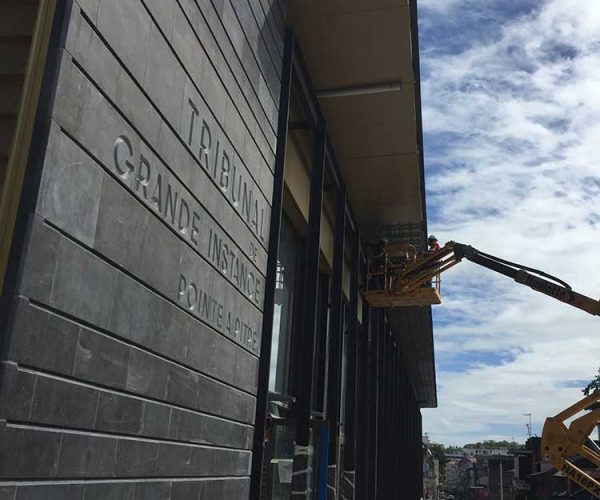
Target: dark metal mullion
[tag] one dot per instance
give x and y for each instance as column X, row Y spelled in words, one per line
column 396, row 417
column 336, row 325
column 271, row 277
column 372, row 425
column 311, row 289
column 385, row 407
column 308, row 91
column 361, row 409
column 351, row 393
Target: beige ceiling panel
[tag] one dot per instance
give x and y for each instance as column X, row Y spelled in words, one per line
column 301, row 8
column 373, row 124
column 384, row 190
column 357, row 48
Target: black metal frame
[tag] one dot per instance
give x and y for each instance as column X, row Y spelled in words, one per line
column 271, row 277
column 383, row 423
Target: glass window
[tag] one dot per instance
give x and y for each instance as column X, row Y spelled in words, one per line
column 287, row 265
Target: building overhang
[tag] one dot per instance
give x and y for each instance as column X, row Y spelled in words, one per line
column 363, row 61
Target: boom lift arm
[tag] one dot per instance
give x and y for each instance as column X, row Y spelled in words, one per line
column 560, row 444
column 405, row 282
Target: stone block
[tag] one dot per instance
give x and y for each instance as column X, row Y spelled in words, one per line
column 110, row 491
column 70, row 189
column 119, row 413
column 8, row 492
column 146, row 374
column 136, row 458
column 204, row 429
column 126, row 26
column 231, row 462
column 230, row 488
column 227, row 402
column 50, row 492
column 101, row 359
column 132, row 102
column 90, row 7
column 186, row 490
column 83, row 285
column 83, row 43
column 129, row 317
column 155, row 420
column 154, row 490
column 173, row 460
column 171, row 332
column 84, row 455
column 41, row 339
column 16, row 392
column 62, row 403
column 182, row 387
column 121, row 227
column 28, row 453
column 164, row 79
column 162, row 11
column 245, row 373
column 36, row 276
column 72, row 91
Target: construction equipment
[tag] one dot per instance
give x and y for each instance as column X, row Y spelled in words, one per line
column 561, row 444
column 400, row 277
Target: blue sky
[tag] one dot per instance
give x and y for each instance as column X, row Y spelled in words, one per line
column 511, row 116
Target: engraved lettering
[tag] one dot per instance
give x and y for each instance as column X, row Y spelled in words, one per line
column 216, row 161
column 254, row 219
column 262, row 227
column 182, row 285
column 236, row 198
column 225, row 167
column 157, row 194
column 123, row 165
column 194, row 114
column 184, row 215
column 171, row 203
column 205, row 143
column 246, row 202
column 195, row 228
column 192, row 296
column 143, row 176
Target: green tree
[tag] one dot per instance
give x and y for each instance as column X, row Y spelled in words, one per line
column 593, row 385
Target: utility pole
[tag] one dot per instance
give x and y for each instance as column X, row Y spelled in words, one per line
column 501, row 481
column 528, row 425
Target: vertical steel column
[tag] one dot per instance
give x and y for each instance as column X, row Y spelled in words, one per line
column 271, row 277
column 381, row 413
column 397, row 422
column 336, row 325
column 372, row 404
column 362, row 406
column 351, row 379
column 303, row 452
column 311, row 288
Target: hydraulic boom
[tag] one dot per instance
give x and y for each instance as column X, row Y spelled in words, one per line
column 414, row 278
column 561, row 444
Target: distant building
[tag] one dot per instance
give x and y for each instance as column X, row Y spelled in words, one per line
column 431, row 472
column 452, row 476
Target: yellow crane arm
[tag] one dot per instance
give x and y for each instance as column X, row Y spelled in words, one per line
column 424, row 270
column 561, row 443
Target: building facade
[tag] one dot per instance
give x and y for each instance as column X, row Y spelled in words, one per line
column 187, row 189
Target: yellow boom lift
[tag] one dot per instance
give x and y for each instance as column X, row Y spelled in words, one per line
column 560, row 443
column 400, row 277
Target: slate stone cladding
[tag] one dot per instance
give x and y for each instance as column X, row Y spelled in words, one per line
column 131, row 357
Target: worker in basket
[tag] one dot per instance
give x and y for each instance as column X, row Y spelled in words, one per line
column 433, row 245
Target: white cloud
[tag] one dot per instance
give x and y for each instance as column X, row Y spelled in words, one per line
column 514, row 169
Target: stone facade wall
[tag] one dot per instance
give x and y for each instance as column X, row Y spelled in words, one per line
column 131, row 357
